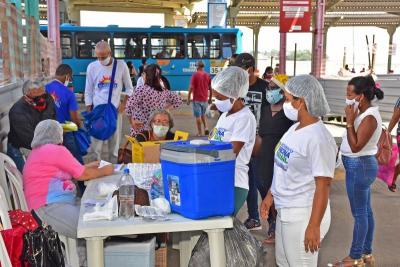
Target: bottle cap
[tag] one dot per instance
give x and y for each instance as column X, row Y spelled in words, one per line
column 126, row 171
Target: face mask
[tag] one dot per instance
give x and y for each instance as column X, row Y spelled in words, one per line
column 160, row 130
column 290, row 112
column 66, row 83
column 269, row 76
column 106, row 61
column 352, row 102
column 39, row 103
column 223, row 105
column 274, row 96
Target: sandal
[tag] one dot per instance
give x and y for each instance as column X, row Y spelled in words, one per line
column 349, row 262
column 393, row 187
column 270, row 239
column 369, row 260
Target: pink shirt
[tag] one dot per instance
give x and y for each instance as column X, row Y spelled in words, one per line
column 47, row 176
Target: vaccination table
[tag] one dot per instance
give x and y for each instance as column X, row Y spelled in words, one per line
column 95, row 232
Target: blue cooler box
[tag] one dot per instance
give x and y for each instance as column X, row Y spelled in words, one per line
column 199, row 179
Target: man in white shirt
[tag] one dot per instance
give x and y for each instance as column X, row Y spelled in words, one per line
column 98, row 78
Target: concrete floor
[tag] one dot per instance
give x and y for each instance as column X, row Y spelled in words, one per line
column 386, row 206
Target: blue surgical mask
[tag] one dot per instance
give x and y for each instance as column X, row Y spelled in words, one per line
column 274, row 96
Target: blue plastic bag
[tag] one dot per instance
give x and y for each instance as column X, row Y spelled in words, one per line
column 101, row 122
column 82, row 138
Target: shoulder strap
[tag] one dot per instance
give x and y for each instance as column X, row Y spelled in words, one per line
column 112, row 79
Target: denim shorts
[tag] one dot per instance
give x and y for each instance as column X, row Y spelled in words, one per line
column 199, row 108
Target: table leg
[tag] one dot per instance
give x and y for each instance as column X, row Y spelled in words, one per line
column 95, row 251
column 217, row 247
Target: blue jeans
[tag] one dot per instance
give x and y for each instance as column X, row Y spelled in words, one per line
column 360, row 174
column 254, row 186
column 16, row 155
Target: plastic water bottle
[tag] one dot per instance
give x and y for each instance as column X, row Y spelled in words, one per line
column 126, row 195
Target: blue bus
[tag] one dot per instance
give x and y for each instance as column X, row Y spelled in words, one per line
column 175, row 49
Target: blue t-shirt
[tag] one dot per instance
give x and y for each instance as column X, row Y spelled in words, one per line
column 64, row 100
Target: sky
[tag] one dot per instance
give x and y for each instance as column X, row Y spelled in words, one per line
column 351, row 39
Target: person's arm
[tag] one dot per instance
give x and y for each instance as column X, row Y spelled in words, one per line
column 24, row 128
column 357, row 140
column 92, row 172
column 89, row 90
column 266, row 205
column 395, row 119
column 237, row 146
column 189, row 95
column 209, row 93
column 127, row 81
column 312, row 238
column 174, row 100
column 73, row 110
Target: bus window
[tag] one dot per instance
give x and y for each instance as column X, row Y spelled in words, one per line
column 228, row 45
column 197, row 46
column 167, row 46
column 215, row 46
column 66, row 45
column 130, row 45
column 86, row 42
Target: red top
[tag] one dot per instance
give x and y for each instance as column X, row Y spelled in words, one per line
column 200, row 84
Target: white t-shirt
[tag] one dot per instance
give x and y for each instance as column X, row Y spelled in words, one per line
column 300, row 156
column 98, row 78
column 240, row 127
column 371, row 147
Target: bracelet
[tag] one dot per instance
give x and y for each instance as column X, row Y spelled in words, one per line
column 349, row 126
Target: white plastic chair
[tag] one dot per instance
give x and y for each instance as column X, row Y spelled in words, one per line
column 11, row 182
column 6, row 224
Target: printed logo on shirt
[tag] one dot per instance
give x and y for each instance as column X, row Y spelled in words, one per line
column 105, row 83
column 282, row 155
column 56, row 99
column 217, row 134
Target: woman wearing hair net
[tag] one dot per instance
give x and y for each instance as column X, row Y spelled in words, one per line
column 47, row 177
column 236, row 125
column 305, row 160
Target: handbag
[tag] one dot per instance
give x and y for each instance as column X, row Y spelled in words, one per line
column 124, row 154
column 42, row 247
column 22, row 222
column 386, row 172
column 384, row 153
column 82, row 138
column 101, row 122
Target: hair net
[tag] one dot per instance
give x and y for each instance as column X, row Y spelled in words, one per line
column 47, row 132
column 232, row 82
column 311, row 90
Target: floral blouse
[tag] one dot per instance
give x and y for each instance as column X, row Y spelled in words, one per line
column 144, row 100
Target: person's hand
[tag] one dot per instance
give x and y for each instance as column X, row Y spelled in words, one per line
column 108, row 169
column 266, row 205
column 210, row 101
column 136, row 124
column 213, row 107
column 351, row 114
column 89, row 108
column 312, row 239
column 94, row 164
column 188, row 102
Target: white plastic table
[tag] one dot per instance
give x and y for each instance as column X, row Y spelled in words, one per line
column 96, row 232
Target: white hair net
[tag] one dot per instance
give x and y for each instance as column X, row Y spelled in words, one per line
column 311, row 90
column 232, row 82
column 47, row 132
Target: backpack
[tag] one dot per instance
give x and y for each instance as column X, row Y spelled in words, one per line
column 101, row 122
column 384, row 153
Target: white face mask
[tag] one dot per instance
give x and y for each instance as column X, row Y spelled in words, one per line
column 224, row 105
column 106, row 61
column 66, row 83
column 160, row 130
column 290, row 112
column 352, row 102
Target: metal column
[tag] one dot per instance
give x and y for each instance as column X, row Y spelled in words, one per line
column 256, row 32
column 282, row 53
column 53, row 18
column 391, row 32
column 319, row 38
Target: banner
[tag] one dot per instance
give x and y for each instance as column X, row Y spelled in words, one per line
column 295, row 16
column 217, row 14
